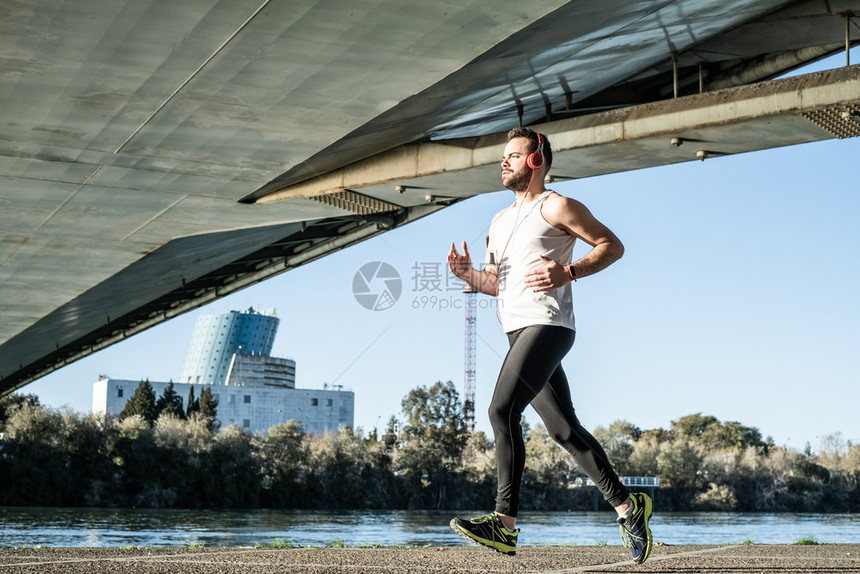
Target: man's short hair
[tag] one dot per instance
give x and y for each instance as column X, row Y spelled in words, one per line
column 532, row 136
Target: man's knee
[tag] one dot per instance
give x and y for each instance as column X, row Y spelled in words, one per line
column 560, row 436
column 502, row 414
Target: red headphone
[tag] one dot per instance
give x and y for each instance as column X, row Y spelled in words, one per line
column 536, row 160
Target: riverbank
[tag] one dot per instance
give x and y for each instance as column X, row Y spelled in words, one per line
column 817, row 559
column 171, row 528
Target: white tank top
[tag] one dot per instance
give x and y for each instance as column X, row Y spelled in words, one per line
column 517, row 245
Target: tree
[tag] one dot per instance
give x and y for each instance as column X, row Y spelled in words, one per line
column 193, row 404
column 142, row 403
column 679, row 463
column 209, row 408
column 658, row 434
column 710, row 434
column 183, row 457
column 543, row 455
column 732, row 434
column 433, row 439
column 36, row 450
column 234, row 469
column 90, row 441
column 548, row 465
column 11, row 403
column 479, row 456
column 618, row 441
column 391, row 439
column 282, row 453
column 643, row 459
column 136, row 457
column 339, row 473
column 170, row 402
column 435, row 428
column 691, row 427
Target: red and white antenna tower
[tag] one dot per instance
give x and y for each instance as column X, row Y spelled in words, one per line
column 469, row 380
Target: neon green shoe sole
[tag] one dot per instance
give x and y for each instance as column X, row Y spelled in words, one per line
column 487, row 531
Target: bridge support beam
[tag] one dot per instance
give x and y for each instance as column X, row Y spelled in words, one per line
column 712, row 124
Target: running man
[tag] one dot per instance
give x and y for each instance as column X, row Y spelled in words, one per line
column 531, row 243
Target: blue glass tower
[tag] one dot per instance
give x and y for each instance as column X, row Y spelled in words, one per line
column 217, row 338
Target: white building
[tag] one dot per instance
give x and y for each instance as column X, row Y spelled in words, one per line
column 229, row 353
column 254, row 408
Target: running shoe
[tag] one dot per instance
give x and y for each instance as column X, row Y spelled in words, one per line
column 635, row 533
column 487, row 531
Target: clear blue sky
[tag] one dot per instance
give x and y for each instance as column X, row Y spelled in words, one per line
column 738, row 296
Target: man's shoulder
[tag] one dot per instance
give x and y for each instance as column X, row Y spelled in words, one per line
column 563, row 212
column 556, row 201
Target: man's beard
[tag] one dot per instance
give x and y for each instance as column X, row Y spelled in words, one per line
column 518, row 181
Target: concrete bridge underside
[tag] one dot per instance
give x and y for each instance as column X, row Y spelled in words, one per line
column 155, row 156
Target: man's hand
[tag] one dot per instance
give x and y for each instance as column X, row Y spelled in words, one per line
column 553, row 276
column 460, row 265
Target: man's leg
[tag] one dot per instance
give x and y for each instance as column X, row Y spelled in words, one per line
column 534, row 354
column 555, row 407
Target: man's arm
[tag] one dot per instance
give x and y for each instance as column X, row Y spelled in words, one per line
column 575, row 219
column 485, row 281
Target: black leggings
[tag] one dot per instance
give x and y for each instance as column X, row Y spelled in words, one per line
column 531, row 373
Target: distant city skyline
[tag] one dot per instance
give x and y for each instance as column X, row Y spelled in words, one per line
column 230, row 354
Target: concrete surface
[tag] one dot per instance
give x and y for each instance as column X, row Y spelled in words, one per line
column 825, row 558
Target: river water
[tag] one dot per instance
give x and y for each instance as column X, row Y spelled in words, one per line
column 101, row 527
